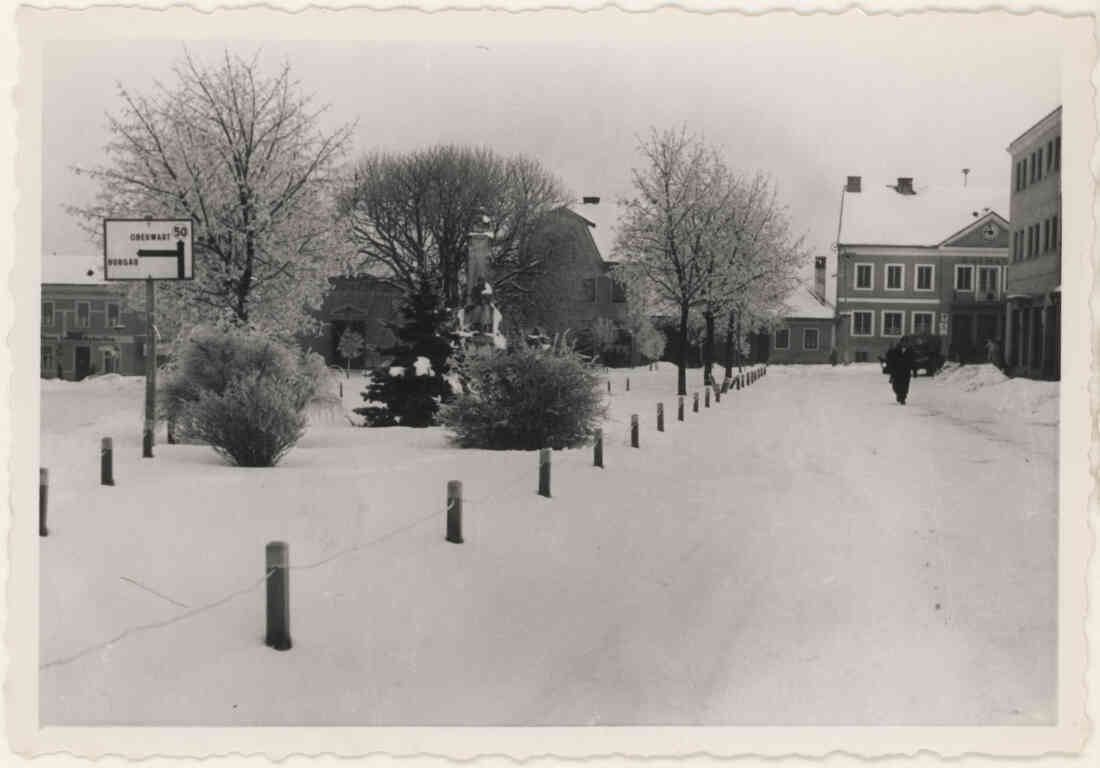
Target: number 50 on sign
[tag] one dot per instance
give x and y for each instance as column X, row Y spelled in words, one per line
column 139, row 249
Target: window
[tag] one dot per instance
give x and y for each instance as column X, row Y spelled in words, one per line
column 1046, row 235
column 987, row 281
column 865, row 275
column 1057, row 152
column 895, row 277
column 47, row 314
column 925, row 276
column 1019, row 175
column 1033, row 168
column 618, row 292
column 589, row 289
column 893, row 323
column 83, row 314
column 964, row 278
column 1054, row 233
column 922, row 322
column 110, row 361
column 1015, row 245
column 809, row 338
column 112, row 315
column 783, row 339
column 47, row 360
column 1039, row 164
column 1050, row 155
column 863, row 323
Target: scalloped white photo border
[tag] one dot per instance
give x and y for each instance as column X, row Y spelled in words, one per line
column 20, row 239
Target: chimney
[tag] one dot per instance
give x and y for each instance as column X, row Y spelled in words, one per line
column 819, row 277
column 905, row 185
column 854, row 184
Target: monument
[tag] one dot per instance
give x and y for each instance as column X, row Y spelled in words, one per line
column 479, row 321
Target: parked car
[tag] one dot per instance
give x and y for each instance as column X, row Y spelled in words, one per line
column 925, row 354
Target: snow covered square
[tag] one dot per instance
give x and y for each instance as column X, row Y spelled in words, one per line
column 805, row 552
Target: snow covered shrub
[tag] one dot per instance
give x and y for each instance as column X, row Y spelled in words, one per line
column 409, row 388
column 253, row 422
column 526, row 398
column 234, row 388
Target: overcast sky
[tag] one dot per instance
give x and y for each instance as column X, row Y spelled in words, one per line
column 881, row 97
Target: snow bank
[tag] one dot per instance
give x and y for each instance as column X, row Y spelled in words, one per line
column 1026, row 399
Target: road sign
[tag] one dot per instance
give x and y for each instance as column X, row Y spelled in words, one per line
column 138, row 249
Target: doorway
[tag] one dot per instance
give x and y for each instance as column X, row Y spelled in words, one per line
column 83, row 362
column 961, row 342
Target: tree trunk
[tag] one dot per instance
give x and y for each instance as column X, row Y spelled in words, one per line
column 738, row 343
column 708, row 349
column 729, row 346
column 681, row 353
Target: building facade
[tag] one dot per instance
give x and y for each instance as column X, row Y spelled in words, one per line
column 363, row 304
column 806, row 331
column 913, row 260
column 1034, row 281
column 86, row 327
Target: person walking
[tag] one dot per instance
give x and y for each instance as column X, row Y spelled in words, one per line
column 899, row 364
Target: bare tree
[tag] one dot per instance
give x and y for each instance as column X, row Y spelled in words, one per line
column 409, row 216
column 242, row 155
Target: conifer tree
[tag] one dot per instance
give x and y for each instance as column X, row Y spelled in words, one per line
column 410, row 388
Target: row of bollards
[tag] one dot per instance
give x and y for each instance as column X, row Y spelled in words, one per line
column 276, row 553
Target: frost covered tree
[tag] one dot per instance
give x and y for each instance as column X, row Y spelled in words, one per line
column 409, row 216
column 242, row 154
column 659, row 228
column 350, row 345
column 752, row 263
column 603, row 332
column 702, row 239
column 409, row 389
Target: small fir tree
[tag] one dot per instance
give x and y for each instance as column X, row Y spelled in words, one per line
column 409, row 390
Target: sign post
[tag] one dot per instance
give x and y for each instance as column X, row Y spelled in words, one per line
column 148, row 249
column 148, row 428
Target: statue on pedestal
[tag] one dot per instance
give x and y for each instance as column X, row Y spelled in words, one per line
column 479, row 321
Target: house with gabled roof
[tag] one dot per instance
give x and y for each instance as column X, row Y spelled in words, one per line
column 914, row 260
column 805, row 331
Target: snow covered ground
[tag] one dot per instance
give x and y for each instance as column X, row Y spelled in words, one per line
column 805, row 552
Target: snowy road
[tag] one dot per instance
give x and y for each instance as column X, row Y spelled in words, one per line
column 806, row 552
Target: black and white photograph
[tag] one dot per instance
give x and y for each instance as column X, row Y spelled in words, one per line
column 602, row 373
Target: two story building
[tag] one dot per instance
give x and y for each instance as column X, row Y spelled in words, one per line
column 919, row 260
column 1034, row 279
column 86, row 325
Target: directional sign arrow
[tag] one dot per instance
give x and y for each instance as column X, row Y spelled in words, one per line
column 176, row 253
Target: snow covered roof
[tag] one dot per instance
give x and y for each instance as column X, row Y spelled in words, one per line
column 602, row 218
column 72, row 269
column 803, row 304
column 879, row 215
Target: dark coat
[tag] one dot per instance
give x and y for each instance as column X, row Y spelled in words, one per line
column 899, row 364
